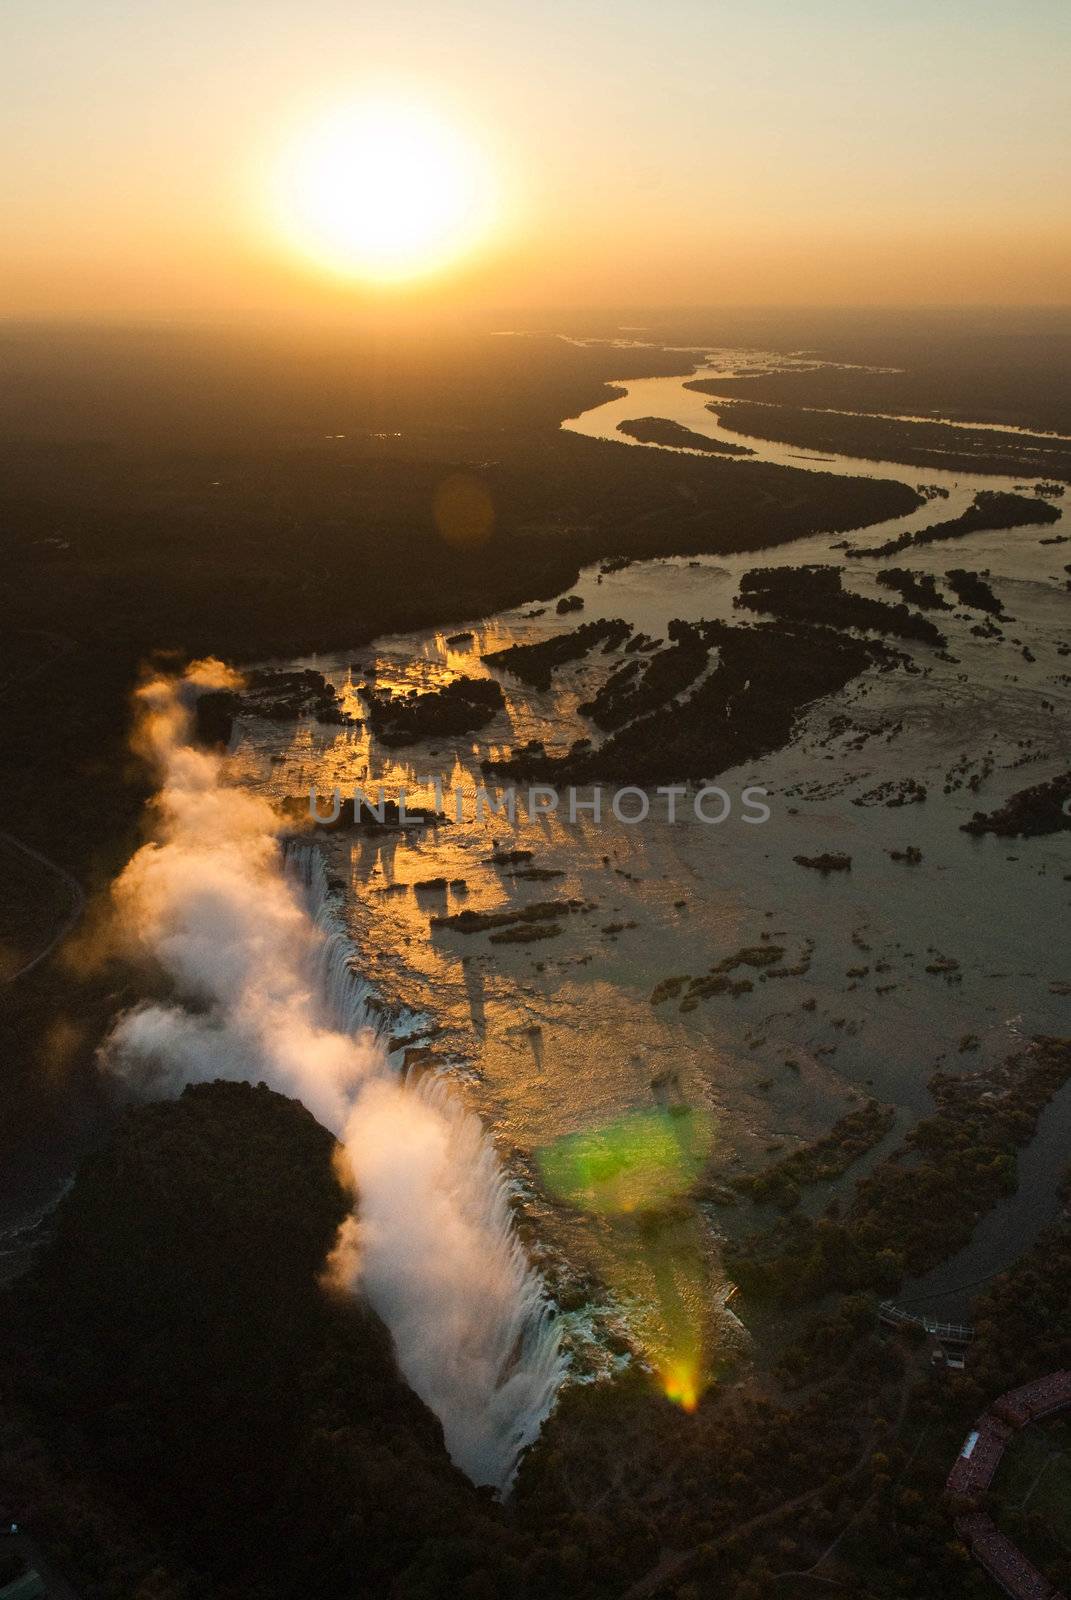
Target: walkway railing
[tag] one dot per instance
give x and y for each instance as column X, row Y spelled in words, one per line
column 949, row 1332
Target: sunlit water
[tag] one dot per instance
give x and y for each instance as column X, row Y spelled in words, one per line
column 560, row 1036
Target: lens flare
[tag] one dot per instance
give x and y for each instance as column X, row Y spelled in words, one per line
column 636, row 1173
column 636, row 1164
column 464, row 511
column 682, row 1383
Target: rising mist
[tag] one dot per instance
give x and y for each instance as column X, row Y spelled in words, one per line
column 266, row 991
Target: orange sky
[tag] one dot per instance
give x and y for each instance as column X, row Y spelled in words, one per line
column 687, row 153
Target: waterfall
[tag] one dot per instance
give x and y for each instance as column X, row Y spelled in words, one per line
column 518, row 1351
column 335, row 973
column 252, row 938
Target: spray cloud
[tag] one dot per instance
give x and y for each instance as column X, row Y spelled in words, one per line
column 266, row 991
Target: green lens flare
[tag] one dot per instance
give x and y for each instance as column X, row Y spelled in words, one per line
column 634, row 1172
column 633, row 1165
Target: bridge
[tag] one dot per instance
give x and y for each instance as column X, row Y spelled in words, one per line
column 947, row 1332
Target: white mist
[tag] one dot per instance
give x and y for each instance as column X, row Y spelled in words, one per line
column 267, row 991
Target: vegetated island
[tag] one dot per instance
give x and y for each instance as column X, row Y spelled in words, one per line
column 829, row 861
column 829, row 1157
column 744, row 708
column 1045, row 808
column 817, row 594
column 535, row 663
column 278, row 696
column 765, row 960
column 538, row 914
column 639, row 686
column 967, row 374
column 991, row 510
column 660, row 430
column 920, row 444
column 971, row 590
column 918, row 587
column 462, row 706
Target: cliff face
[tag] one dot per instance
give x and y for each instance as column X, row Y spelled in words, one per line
column 179, row 1368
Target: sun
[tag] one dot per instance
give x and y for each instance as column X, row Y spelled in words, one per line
column 384, row 190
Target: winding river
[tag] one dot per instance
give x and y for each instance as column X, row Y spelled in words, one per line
column 554, row 1039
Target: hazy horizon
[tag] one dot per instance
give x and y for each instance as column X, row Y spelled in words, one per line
column 598, row 321
column 843, row 156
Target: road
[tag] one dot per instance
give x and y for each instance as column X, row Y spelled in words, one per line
column 78, row 903
column 55, row 1583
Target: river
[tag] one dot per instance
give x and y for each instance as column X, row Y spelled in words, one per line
column 556, row 1039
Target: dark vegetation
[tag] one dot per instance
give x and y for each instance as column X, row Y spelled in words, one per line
column 971, row 589
column 278, row 696
column 160, row 387
column 458, row 707
column 765, row 960
column 817, row 594
column 186, row 1412
column 630, row 692
column 821, row 1161
column 746, row 707
column 640, row 642
column 537, row 911
column 991, row 509
column 1029, row 813
column 525, row 933
column 535, row 663
column 195, row 1414
column 827, row 1479
column 829, row 861
column 286, row 696
column 894, row 793
column 917, row 444
column 918, row 587
column 919, row 1205
column 898, row 1540
column 660, row 430
column 1002, row 366
column 713, row 983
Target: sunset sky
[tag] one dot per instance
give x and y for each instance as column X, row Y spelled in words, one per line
column 625, row 152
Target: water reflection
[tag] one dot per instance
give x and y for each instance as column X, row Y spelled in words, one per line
column 559, row 1042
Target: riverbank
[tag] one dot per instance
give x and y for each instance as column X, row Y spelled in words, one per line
column 944, row 446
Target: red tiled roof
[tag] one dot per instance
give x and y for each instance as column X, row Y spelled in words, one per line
column 1042, row 1397
column 1003, row 1560
column 972, row 1473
